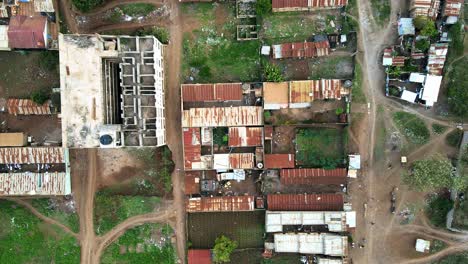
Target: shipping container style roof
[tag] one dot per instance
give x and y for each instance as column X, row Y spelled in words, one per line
column 313, row 176
column 32, row 155
column 28, row 183
column 212, row 92
column 220, row 204
column 305, row 202
column 311, row 243
column 223, row 116
column 279, row 161
column 245, row 136
column 335, row 221
column 301, row 50
column 27, row 107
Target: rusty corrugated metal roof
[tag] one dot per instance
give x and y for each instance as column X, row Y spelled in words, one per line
column 199, row 256
column 221, row 204
column 453, row 7
column 31, row 155
column 306, row 4
column 308, row 91
column 192, row 182
column 27, row 107
column 223, row 116
column 305, row 202
column 437, row 57
column 245, row 136
column 313, row 176
column 301, row 50
column 212, row 92
column 27, row 183
column 279, row 161
column 26, row 32
column 268, row 132
column 429, row 8
column 192, row 146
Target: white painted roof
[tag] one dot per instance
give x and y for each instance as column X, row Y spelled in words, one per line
column 311, row 243
column 336, row 221
column 422, row 245
column 417, row 77
column 431, row 89
column 3, row 37
column 355, row 162
column 329, row 261
column 409, row 96
column 266, row 50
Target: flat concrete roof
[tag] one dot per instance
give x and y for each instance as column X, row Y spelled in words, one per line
column 82, row 94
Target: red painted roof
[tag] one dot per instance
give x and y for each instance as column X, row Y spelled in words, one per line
column 268, row 132
column 289, row 3
column 313, row 176
column 279, row 161
column 192, row 146
column 27, row 32
column 212, row 92
column 192, row 182
column 199, row 256
column 245, row 136
column 305, row 202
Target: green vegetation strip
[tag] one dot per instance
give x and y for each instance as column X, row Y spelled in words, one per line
column 357, row 91
column 414, row 128
column 458, row 88
column 148, row 243
column 26, row 239
column 438, row 129
column 137, row 9
column 437, row 210
column 319, row 147
column 110, row 210
column 87, row 5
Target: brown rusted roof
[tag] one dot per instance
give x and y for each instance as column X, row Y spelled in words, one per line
column 305, row 202
column 223, row 116
column 268, row 132
column 313, row 176
column 27, row 107
column 212, row 92
column 284, row 4
column 27, row 183
column 221, row 204
column 245, row 136
column 301, row 50
column 308, row 91
column 199, row 256
column 453, row 7
column 279, row 161
column 31, row 155
column 27, row 32
column 289, row 3
column 192, row 182
column 429, row 8
column 192, row 146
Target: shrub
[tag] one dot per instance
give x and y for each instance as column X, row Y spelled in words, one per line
column 438, row 129
column 40, row 96
column 429, row 30
column 412, row 127
column 453, row 138
column 263, row 7
column 49, row 60
column 437, row 210
column 87, row 5
column 423, row 45
column 420, row 22
column 339, row 111
column 162, row 34
column 272, row 73
column 223, row 249
column 137, row 9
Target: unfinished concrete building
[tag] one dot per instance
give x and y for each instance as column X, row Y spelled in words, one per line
column 112, row 90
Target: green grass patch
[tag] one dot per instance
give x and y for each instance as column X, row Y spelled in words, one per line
column 437, row 209
column 414, row 128
column 290, row 27
column 137, row 9
column 319, row 147
column 454, row 259
column 211, row 53
column 458, row 88
column 162, row 34
column 87, row 5
column 454, row 138
column 110, row 210
column 331, row 68
column 381, row 10
column 381, row 137
column 358, row 95
column 438, row 129
column 148, row 243
column 437, row 245
column 57, row 209
column 26, row 239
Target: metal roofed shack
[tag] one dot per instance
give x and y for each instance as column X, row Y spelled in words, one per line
column 245, row 136
column 275, row 95
column 390, row 59
column 26, row 32
column 406, row 26
column 199, row 256
column 428, row 8
column 313, row 243
column 303, row 93
column 27, row 107
column 212, row 92
column 306, row 5
column 321, row 260
column 300, row 50
column 220, row 204
column 112, row 91
column 437, row 57
column 313, row 176
column 279, row 161
column 223, row 116
column 13, row 139
column 32, row 155
column 335, row 221
column 451, row 10
column 430, row 92
column 305, row 202
column 29, row 183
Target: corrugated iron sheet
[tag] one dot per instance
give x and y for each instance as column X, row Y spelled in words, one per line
column 429, row 8
column 301, row 50
column 313, row 176
column 192, row 182
column 212, row 92
column 31, row 155
column 192, row 146
column 268, row 132
column 437, row 57
column 223, row 116
column 27, row 107
column 289, row 3
column 27, row 183
column 307, row 4
column 398, row 61
column 453, row 7
column 305, row 202
column 279, row 161
column 241, row 161
column 221, row 204
column 308, row 91
column 245, row 136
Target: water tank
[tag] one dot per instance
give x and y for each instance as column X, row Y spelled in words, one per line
column 260, row 165
column 105, row 140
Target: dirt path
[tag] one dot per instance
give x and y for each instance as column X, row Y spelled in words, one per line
column 39, row 215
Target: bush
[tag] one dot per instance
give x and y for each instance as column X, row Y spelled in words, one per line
column 137, row 9
column 437, row 210
column 49, row 60
column 458, row 88
column 263, row 7
column 40, row 96
column 456, row 35
column 420, row 22
column 339, row 111
column 438, row 129
column 429, row 30
column 223, row 249
column 423, row 45
column 272, row 73
column 453, row 138
column 162, row 34
column 87, row 5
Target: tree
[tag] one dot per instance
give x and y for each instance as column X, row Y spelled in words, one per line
column 263, row 7
column 223, row 249
column 272, row 73
column 423, row 45
column 429, row 30
column 40, row 96
column 420, row 22
column 430, row 174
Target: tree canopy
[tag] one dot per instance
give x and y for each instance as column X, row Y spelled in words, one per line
column 223, row 249
column 430, row 174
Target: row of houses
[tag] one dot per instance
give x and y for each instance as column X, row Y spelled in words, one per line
column 28, row 24
column 449, row 11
